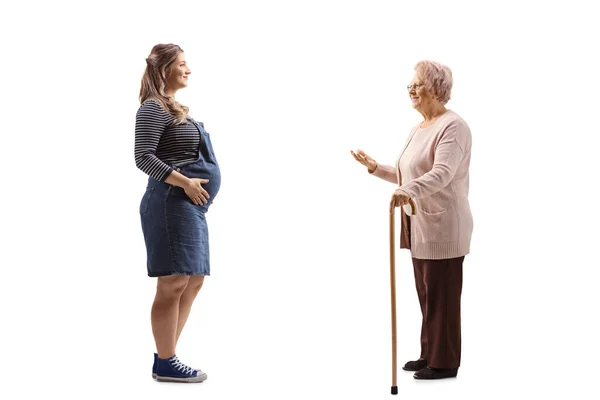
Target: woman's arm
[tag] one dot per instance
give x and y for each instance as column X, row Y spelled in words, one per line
column 150, row 122
column 177, row 179
column 385, row 172
column 449, row 153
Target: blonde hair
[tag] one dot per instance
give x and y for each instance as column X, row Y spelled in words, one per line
column 155, row 77
column 437, row 79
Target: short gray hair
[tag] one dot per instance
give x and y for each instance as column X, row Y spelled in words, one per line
column 437, row 79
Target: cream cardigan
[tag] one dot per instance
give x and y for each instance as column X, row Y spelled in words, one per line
column 438, row 165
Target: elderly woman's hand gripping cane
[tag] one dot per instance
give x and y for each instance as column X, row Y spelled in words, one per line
column 399, row 199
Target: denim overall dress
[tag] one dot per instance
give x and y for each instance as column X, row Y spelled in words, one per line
column 175, row 229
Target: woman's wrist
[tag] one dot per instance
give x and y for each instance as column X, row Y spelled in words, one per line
column 176, row 178
column 372, row 170
column 185, row 182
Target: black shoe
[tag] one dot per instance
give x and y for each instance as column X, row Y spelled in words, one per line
column 436, row 373
column 415, row 365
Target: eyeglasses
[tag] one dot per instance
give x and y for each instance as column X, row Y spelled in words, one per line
column 415, row 86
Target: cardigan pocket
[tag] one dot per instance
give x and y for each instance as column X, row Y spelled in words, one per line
column 433, row 227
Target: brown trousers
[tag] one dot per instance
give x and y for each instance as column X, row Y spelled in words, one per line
column 439, row 286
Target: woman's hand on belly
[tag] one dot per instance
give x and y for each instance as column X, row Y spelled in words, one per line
column 196, row 192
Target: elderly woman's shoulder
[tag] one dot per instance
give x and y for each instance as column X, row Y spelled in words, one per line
column 454, row 120
column 458, row 130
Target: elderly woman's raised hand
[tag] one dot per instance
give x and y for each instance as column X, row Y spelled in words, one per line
column 364, row 159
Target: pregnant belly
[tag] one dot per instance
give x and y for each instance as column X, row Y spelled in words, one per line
column 214, row 182
column 205, row 171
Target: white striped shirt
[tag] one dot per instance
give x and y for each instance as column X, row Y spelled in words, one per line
column 160, row 145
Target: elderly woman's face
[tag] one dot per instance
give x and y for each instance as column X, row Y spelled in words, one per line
column 418, row 95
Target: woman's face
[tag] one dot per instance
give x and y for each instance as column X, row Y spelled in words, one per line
column 419, row 96
column 178, row 73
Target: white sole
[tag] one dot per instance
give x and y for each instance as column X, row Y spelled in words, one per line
column 197, row 379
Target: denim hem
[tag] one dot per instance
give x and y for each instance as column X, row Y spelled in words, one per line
column 156, row 275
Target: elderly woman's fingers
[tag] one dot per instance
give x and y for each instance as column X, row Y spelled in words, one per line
column 359, row 158
column 399, row 199
column 394, row 203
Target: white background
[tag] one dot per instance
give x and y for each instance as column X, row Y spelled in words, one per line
column 297, row 306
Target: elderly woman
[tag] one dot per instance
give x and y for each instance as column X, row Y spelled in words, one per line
column 433, row 171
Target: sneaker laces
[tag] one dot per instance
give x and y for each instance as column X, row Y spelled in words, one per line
column 181, row 367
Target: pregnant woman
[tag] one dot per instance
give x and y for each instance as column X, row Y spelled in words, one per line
column 184, row 178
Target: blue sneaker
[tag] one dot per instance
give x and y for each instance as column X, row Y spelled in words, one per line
column 173, row 370
column 155, row 367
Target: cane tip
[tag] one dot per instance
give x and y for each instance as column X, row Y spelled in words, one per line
column 394, row 389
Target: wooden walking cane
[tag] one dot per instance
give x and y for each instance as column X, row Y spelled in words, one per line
column 393, row 290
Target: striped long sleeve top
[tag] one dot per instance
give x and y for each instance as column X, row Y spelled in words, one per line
column 160, row 145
